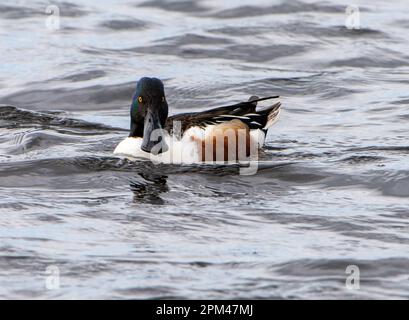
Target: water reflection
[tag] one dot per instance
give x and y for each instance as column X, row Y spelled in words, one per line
column 149, row 190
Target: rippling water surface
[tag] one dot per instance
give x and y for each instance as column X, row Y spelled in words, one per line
column 332, row 188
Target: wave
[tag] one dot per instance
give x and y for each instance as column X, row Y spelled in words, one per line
column 13, row 117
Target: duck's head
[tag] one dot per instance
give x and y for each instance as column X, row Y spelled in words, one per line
column 149, row 111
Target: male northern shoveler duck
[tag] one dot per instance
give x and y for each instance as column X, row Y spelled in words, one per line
column 233, row 132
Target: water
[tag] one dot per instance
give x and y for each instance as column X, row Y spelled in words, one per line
column 332, row 189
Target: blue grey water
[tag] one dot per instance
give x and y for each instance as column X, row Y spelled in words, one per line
column 332, row 189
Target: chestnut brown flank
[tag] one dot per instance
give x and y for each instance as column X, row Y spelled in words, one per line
column 222, row 133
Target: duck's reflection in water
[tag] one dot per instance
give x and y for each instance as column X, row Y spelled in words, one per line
column 150, row 188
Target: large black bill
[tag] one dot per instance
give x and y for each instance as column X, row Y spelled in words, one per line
column 153, row 138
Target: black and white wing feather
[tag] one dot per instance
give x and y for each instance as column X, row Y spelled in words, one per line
column 243, row 111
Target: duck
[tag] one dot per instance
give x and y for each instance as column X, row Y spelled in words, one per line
column 230, row 133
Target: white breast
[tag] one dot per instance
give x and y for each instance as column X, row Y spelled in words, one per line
column 180, row 151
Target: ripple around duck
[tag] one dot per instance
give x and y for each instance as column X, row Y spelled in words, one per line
column 246, row 53
column 37, row 140
column 67, row 9
column 98, row 97
column 318, row 84
column 178, row 6
column 381, row 268
column 82, row 76
column 362, row 159
column 89, row 164
column 402, row 149
column 370, row 62
column 282, row 8
column 330, row 31
column 125, row 24
column 16, row 12
column 13, row 117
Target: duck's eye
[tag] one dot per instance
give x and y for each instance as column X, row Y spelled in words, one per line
column 140, row 100
column 163, row 99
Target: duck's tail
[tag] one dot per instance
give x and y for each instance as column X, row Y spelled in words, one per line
column 272, row 115
column 264, row 118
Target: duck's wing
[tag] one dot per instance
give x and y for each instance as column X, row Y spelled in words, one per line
column 243, row 111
